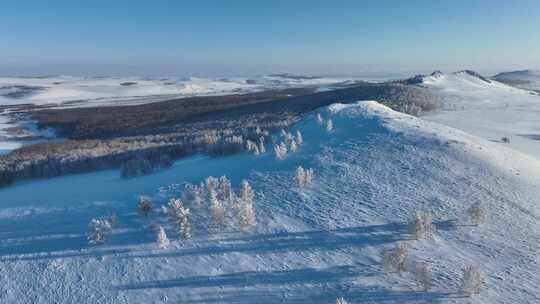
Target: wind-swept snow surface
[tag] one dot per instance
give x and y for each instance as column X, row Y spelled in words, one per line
column 488, row 109
column 311, row 244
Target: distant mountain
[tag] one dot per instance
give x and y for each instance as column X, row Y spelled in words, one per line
column 526, row 79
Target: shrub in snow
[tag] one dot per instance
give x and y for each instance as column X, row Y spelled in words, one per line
column 471, row 281
column 341, row 300
column 421, row 225
column 162, row 240
column 246, row 214
column 394, row 260
column 422, row 275
column 97, row 230
column 477, row 214
column 144, row 206
column 329, row 125
column 505, row 140
column 319, row 118
column 299, row 138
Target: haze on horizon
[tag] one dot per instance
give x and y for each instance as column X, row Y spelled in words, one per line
column 251, row 37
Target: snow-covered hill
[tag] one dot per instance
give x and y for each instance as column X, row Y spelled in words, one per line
column 487, row 108
column 527, row 79
column 311, row 244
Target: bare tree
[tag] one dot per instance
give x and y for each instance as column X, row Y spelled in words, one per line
column 162, row 240
column 477, row 214
column 422, row 275
column 145, row 206
column 471, row 281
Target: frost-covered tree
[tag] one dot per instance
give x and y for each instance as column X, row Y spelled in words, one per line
column 300, row 176
column 471, row 281
column 299, row 138
column 246, row 214
column 421, row 225
column 309, row 176
column 288, row 138
column 173, row 208
column 225, row 192
column 341, row 300
column 477, row 214
column 216, row 209
column 319, row 118
column 182, row 222
column 144, row 206
column 97, row 230
column 422, row 275
column 329, row 125
column 162, row 240
column 293, row 146
column 280, row 150
column 262, row 148
column 394, row 260
column 211, row 183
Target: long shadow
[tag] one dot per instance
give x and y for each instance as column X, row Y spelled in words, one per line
column 252, row 278
column 297, row 241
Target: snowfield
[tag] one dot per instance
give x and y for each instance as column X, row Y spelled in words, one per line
column 488, row 109
column 311, row 244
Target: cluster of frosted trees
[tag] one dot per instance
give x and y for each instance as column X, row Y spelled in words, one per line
column 289, row 143
column 421, row 227
column 328, row 123
column 303, row 177
column 211, row 206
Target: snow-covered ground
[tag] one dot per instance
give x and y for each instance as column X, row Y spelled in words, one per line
column 488, row 109
column 310, row 244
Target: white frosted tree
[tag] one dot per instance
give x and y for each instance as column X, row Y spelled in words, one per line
column 183, row 224
column 293, row 146
column 162, row 240
column 329, row 125
column 477, row 214
column 422, row 275
column 216, row 209
column 225, row 190
column 471, row 281
column 421, row 225
column 309, row 176
column 299, row 138
column 394, row 260
column 173, row 208
column 280, row 150
column 246, row 214
column 300, row 176
column 262, row 148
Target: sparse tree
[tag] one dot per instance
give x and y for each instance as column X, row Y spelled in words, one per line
column 162, row 240
column 422, row 275
column 471, row 281
column 145, row 206
column 477, row 214
column 394, row 260
column 329, row 125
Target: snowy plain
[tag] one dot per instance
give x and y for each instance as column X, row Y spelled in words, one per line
column 311, row 244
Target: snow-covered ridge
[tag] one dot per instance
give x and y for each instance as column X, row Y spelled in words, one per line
column 312, row 244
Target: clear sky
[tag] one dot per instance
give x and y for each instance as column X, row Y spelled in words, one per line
column 256, row 36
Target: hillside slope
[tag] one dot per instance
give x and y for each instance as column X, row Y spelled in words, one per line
column 310, row 244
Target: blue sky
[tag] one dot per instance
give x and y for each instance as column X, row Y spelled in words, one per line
column 246, row 37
